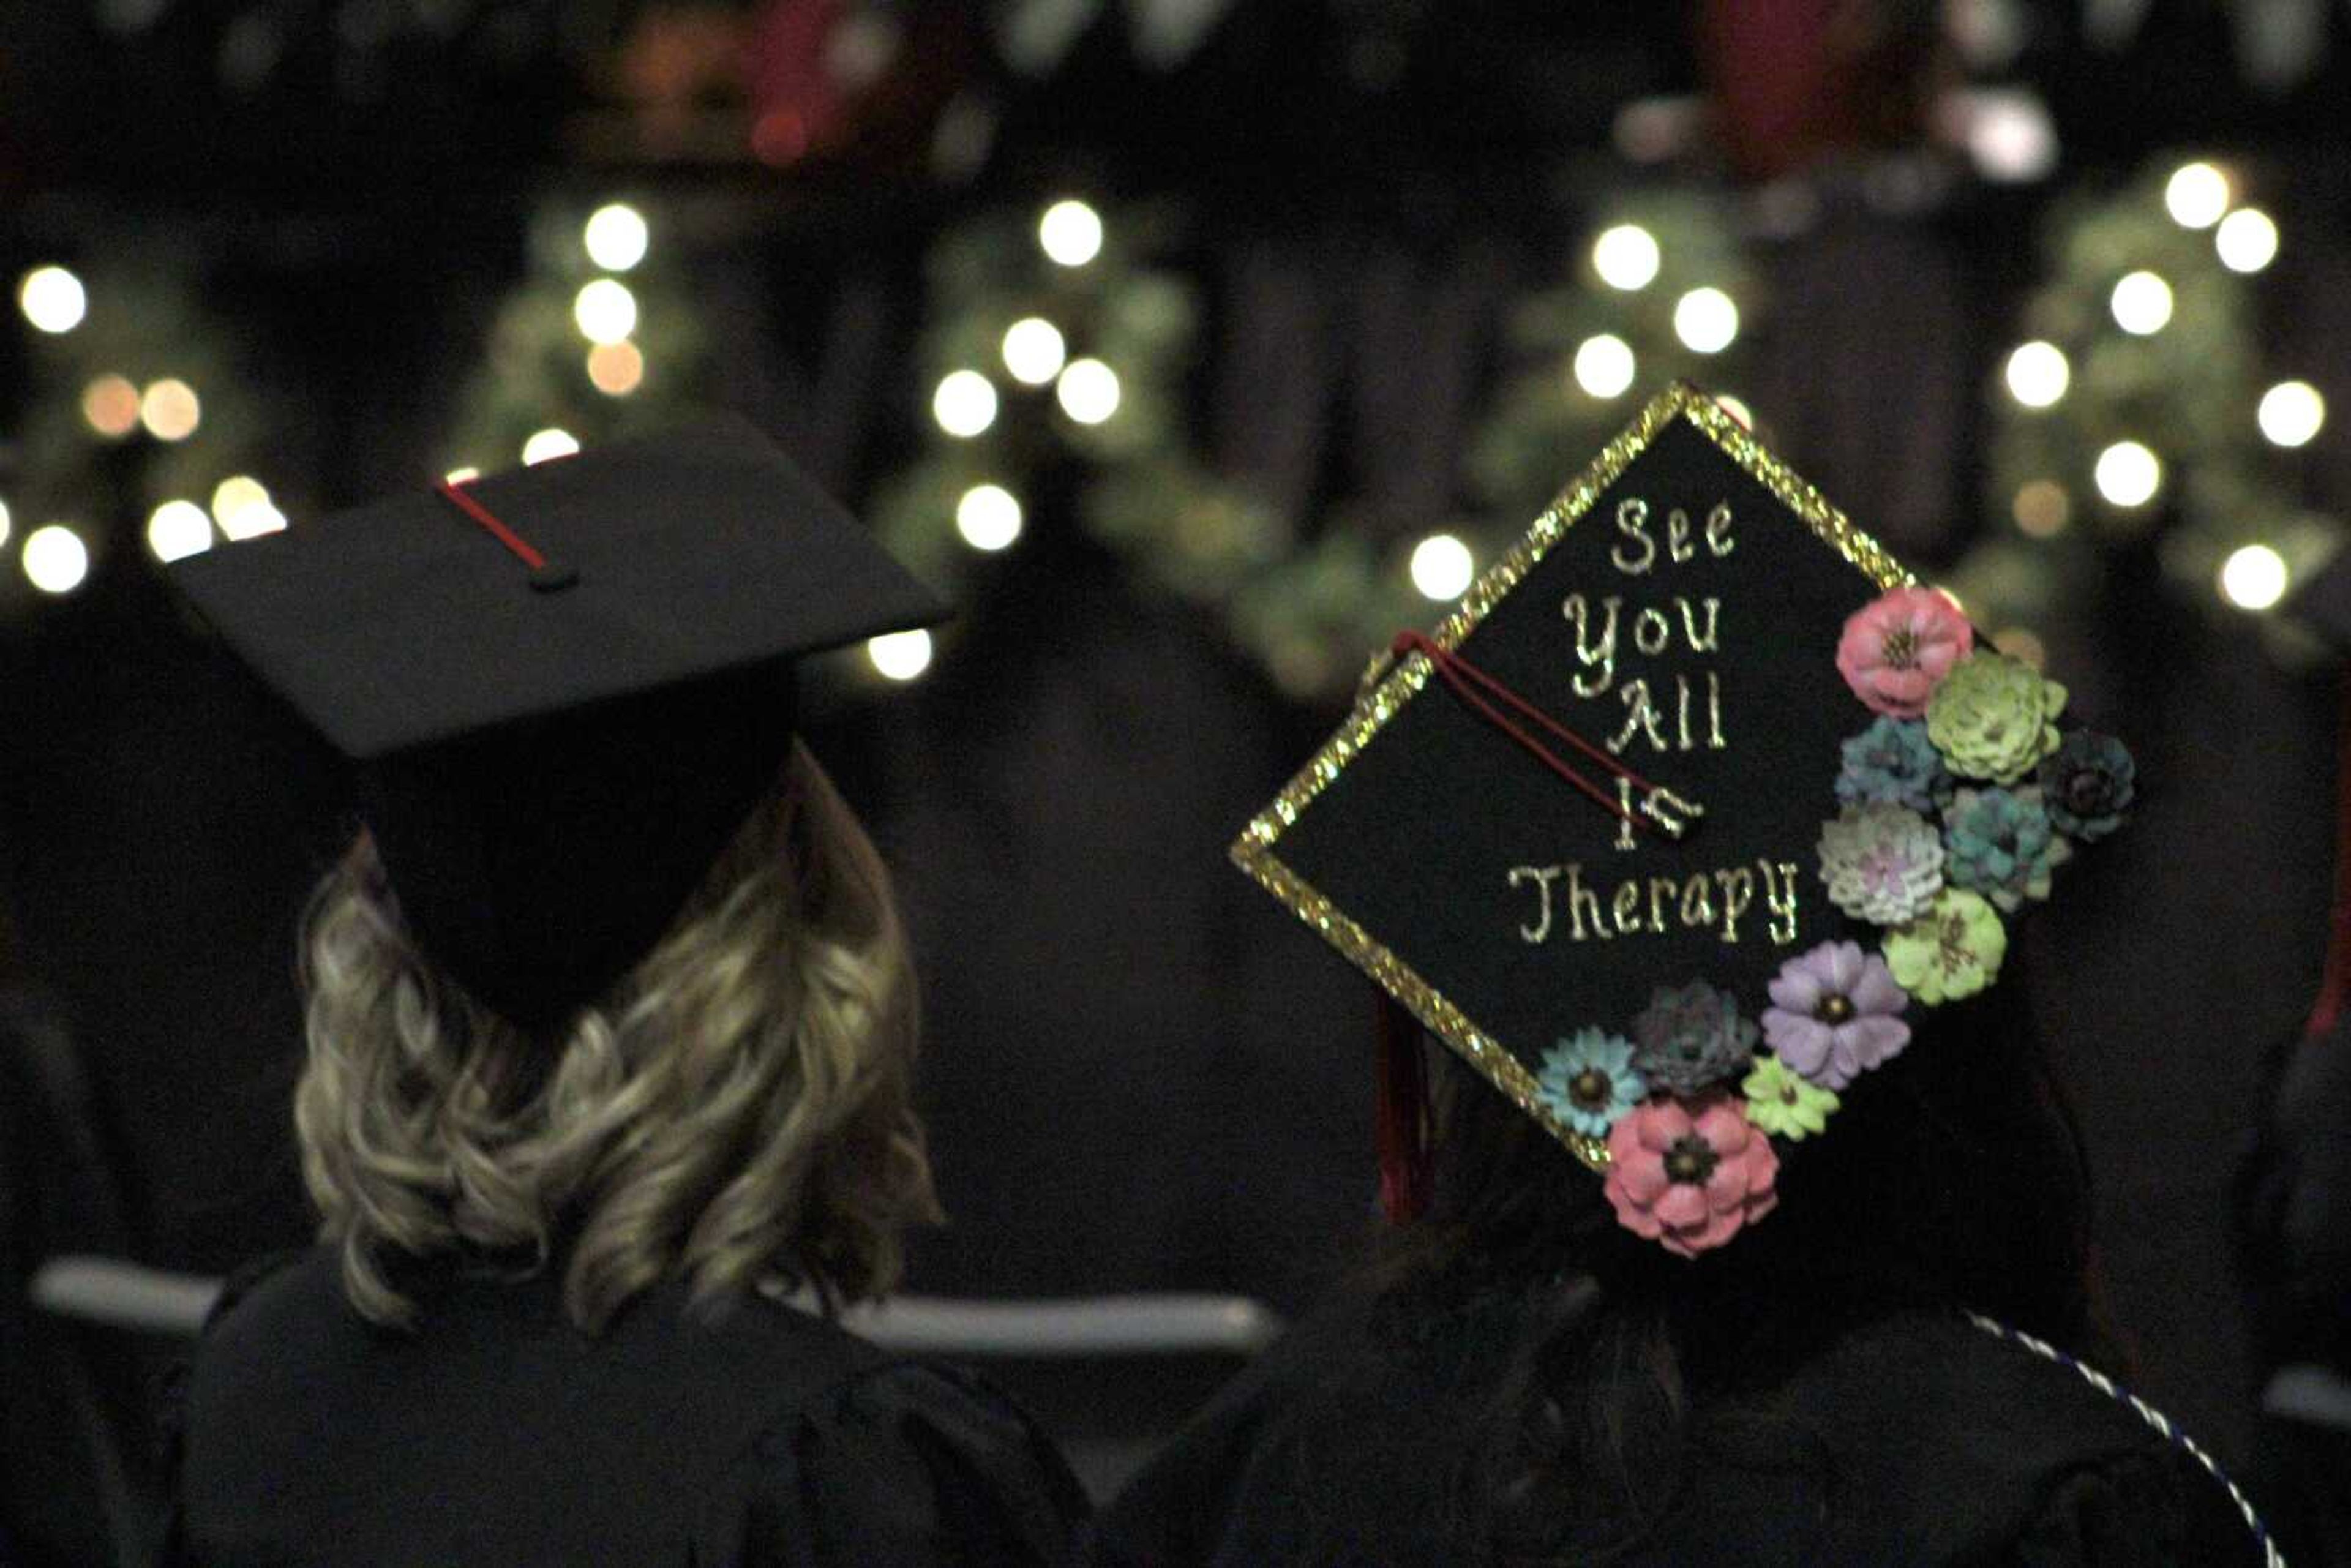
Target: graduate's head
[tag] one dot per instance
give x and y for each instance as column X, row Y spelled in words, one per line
column 1956, row 1178
column 610, row 963
column 1700, row 833
column 735, row 1108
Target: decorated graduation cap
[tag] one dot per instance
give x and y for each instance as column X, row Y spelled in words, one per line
column 1673, row 827
column 564, row 687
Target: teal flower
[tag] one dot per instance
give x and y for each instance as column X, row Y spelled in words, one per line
column 2086, row 783
column 1690, row 1038
column 1893, row 761
column 1588, row 1080
column 2000, row 844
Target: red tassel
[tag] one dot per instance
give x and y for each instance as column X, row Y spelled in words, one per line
column 1406, row 1177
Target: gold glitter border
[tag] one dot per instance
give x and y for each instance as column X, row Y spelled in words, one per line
column 1383, row 699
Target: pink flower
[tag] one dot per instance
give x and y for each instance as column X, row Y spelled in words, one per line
column 1897, row 650
column 1689, row 1174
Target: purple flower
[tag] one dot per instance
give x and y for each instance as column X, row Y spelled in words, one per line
column 1833, row 1014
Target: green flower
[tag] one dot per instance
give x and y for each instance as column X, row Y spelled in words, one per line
column 1994, row 718
column 1782, row 1103
column 1951, row 951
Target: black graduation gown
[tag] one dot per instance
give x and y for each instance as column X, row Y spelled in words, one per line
column 498, row 1434
column 1916, row 1440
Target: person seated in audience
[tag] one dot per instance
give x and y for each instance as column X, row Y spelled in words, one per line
column 1743, row 1221
column 611, row 1031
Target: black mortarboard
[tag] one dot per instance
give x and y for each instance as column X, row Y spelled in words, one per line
column 1669, row 643
column 564, row 686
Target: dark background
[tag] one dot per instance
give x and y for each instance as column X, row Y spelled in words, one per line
column 1140, row 1074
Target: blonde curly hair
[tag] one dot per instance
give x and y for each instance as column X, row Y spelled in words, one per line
column 738, row 1112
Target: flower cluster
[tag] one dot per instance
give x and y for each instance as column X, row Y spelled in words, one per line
column 1941, row 832
column 1957, row 804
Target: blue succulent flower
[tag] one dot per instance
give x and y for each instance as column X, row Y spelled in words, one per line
column 1588, row 1080
column 2000, row 843
column 1894, row 761
column 2087, row 784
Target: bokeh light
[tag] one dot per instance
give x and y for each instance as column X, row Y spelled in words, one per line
column 2043, row 508
column 549, row 443
column 616, row 370
column 2141, row 303
column 1737, row 407
column 1442, row 568
column 2254, row 577
column 1625, row 256
column 2038, row 374
column 52, row 300
column 177, row 529
column 2023, row 645
column 235, row 494
column 2292, row 413
column 2196, row 196
column 169, row 409
column 616, row 238
column 2246, row 240
column 988, row 518
column 1034, row 351
column 1088, row 391
column 1070, row 232
column 55, row 558
column 1603, row 365
column 901, row 655
column 965, row 403
column 109, row 405
column 1706, row 320
column 2129, row 474
column 605, row 310
column 250, row 522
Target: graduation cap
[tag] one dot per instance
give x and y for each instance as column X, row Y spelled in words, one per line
column 1667, row 827
column 563, row 687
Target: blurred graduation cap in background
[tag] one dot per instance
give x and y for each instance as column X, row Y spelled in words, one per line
column 562, row 687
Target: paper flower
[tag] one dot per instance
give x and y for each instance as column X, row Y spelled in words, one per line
column 2086, row 783
column 1953, row 951
column 1897, row 650
column 1993, row 717
column 1883, row 863
column 1691, row 1037
column 1783, row 1104
column 1835, row 1014
column 1690, row 1174
column 1588, row 1080
column 1893, row 761
column 2001, row 845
